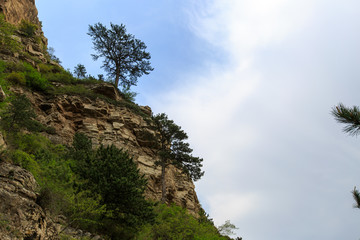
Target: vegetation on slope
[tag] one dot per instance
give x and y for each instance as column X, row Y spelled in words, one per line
column 98, row 190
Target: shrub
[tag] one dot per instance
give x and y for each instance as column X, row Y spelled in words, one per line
column 36, row 81
column 2, row 67
column 18, row 114
column 27, row 28
column 112, row 174
column 174, row 223
column 128, row 95
column 62, row 77
column 14, row 67
column 17, row 78
column 34, row 78
column 6, row 40
column 45, row 68
column 26, row 161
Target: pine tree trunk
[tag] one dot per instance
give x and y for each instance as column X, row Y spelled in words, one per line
column 117, row 74
column 117, row 77
column 163, row 184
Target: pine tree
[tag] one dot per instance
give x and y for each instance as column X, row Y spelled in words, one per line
column 111, row 173
column 80, row 71
column 125, row 57
column 173, row 150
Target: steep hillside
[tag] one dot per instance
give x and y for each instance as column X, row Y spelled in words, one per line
column 28, row 41
column 104, row 122
column 113, row 122
column 64, row 106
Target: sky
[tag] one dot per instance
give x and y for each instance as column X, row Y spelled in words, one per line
column 253, row 83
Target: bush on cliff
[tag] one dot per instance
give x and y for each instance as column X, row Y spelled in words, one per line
column 111, row 173
column 174, row 223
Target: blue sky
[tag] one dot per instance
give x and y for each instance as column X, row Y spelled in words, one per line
column 252, row 82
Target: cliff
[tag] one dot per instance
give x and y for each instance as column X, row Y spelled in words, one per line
column 17, row 10
column 32, row 50
column 106, row 120
column 113, row 123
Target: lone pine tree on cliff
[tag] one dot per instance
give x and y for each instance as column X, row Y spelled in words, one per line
column 173, row 150
column 125, row 58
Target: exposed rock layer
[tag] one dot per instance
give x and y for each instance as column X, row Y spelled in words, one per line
column 17, row 10
column 32, row 49
column 20, row 216
column 106, row 123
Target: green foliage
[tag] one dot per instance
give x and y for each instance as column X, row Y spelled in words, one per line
column 18, row 115
column 349, row 116
column 7, row 42
column 27, row 28
column 2, row 67
column 125, row 58
column 80, row 71
column 112, row 175
column 77, row 89
column 34, row 78
column 46, row 68
column 174, row 223
column 61, row 76
column 17, row 78
column 26, row 161
column 14, row 67
column 173, row 150
column 128, row 95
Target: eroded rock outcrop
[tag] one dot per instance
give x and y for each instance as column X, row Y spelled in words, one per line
column 110, row 123
column 31, row 49
column 20, row 216
column 17, row 10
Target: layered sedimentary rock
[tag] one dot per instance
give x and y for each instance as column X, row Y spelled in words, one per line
column 20, row 216
column 114, row 123
column 30, row 49
column 105, row 122
column 17, row 10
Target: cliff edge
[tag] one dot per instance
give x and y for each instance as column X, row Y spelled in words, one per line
column 103, row 121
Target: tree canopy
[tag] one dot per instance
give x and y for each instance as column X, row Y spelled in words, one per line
column 124, row 56
column 172, row 149
column 80, row 71
column 111, row 173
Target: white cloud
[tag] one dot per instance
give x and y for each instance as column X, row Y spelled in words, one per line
column 231, row 206
column 261, row 122
column 242, row 26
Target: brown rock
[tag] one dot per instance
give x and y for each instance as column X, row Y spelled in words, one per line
column 2, row 95
column 107, row 124
column 18, row 208
column 17, row 10
column 108, row 90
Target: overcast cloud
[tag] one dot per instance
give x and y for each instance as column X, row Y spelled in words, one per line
column 252, row 82
column 277, row 165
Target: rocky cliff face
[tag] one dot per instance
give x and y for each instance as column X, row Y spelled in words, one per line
column 17, row 10
column 20, row 216
column 105, row 122
column 108, row 123
column 33, row 50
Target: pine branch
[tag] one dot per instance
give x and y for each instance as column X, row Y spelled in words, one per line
column 348, row 116
column 356, row 196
